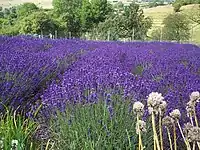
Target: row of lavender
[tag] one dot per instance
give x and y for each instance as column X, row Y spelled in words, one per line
column 61, row 71
column 28, row 66
column 133, row 70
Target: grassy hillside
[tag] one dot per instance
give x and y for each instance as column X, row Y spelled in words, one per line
column 160, row 12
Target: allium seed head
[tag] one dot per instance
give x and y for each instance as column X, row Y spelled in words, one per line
column 194, row 134
column 187, row 127
column 141, row 126
column 190, row 108
column 138, row 108
column 154, row 101
column 168, row 121
column 175, row 114
column 162, row 107
column 195, row 96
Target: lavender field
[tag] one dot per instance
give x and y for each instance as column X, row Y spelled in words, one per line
column 71, row 75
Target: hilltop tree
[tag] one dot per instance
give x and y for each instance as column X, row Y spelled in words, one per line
column 177, row 7
column 176, row 27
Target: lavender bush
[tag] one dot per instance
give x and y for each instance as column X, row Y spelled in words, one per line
column 135, row 68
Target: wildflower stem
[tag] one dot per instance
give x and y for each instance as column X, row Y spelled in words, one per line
column 154, row 144
column 193, row 146
column 198, row 144
column 129, row 140
column 169, row 137
column 140, row 137
column 175, row 145
column 195, row 117
column 160, row 127
column 191, row 120
column 186, row 142
column 154, row 131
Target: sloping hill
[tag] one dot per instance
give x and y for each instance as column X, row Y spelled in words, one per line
column 160, row 12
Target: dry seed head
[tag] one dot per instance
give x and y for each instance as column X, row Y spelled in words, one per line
column 167, row 121
column 140, row 126
column 195, row 96
column 190, row 108
column 138, row 108
column 194, row 134
column 187, row 127
column 154, row 101
column 175, row 114
column 163, row 107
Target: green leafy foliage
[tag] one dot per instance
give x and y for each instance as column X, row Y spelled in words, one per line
column 176, row 27
column 178, row 3
column 26, row 9
column 126, row 22
column 37, row 22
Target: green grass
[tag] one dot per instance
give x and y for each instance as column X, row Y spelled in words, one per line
column 15, row 127
column 159, row 13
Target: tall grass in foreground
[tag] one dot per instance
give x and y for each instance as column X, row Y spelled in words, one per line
column 104, row 125
column 16, row 132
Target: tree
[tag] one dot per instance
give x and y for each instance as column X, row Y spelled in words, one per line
column 110, row 28
column 177, row 7
column 93, row 12
column 136, row 25
column 26, row 9
column 86, row 16
column 100, row 10
column 37, row 23
column 125, row 22
column 156, row 34
column 69, row 12
column 66, row 6
column 176, row 27
column 6, row 12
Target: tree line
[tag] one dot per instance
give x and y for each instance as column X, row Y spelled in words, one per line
column 90, row 19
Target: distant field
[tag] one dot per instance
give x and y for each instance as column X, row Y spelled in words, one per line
column 42, row 3
column 160, row 12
